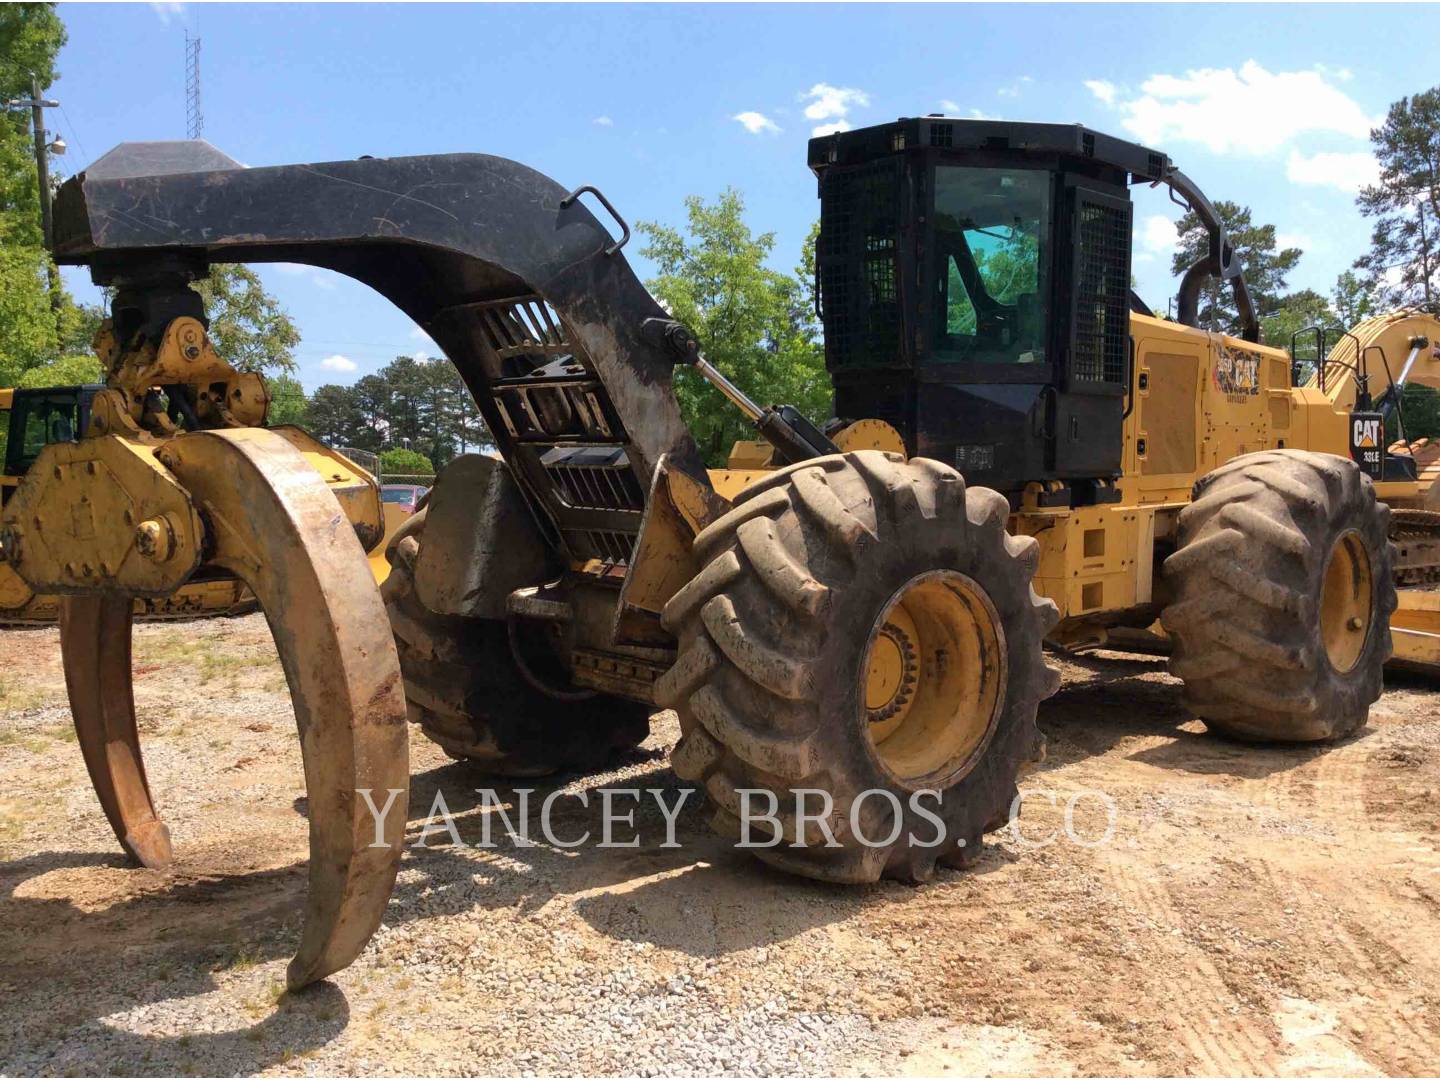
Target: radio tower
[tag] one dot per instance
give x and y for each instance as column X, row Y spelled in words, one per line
column 194, row 117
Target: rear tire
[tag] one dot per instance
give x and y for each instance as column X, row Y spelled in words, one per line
column 466, row 693
column 1283, row 593
column 778, row 635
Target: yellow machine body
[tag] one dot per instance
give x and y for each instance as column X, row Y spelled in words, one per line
column 1198, row 400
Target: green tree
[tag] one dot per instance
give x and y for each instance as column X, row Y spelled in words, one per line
column 754, row 323
column 77, row 369
column 250, row 329
column 1293, row 313
column 1266, row 268
column 334, row 417
column 1420, row 406
column 38, row 324
column 288, row 404
column 1401, row 266
column 31, row 36
column 1353, row 300
column 398, row 461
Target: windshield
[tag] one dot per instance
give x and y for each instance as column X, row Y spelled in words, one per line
column 991, row 240
column 400, row 494
column 40, row 421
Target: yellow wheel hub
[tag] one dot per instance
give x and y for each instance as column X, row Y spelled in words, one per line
column 1347, row 602
column 934, row 677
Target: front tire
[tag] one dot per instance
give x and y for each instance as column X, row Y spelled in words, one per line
column 1283, row 593
column 861, row 624
column 464, row 690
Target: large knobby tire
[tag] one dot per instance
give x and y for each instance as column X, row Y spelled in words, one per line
column 466, row 693
column 775, row 642
column 1282, row 597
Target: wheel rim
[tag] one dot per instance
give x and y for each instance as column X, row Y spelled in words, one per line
column 1347, row 602
column 933, row 678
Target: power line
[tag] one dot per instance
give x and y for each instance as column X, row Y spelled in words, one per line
column 78, row 141
column 194, row 116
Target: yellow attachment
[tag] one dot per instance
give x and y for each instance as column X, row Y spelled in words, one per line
column 224, row 397
column 1346, row 602
column 101, row 514
column 869, row 435
column 751, row 454
column 934, row 679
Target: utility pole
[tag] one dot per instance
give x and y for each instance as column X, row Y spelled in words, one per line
column 37, row 106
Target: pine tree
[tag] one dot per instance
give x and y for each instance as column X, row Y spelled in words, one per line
column 1400, row 267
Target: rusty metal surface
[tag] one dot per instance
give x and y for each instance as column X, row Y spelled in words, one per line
column 278, row 528
column 95, row 643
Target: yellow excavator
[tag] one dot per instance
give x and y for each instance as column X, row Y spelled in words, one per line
column 1021, row 457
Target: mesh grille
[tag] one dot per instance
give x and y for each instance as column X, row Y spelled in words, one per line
column 594, row 478
column 1102, row 292
column 857, row 253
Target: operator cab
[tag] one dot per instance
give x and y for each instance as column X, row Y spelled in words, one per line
column 37, row 417
column 974, row 283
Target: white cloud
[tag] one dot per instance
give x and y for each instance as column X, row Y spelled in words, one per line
column 832, row 103
column 827, row 101
column 757, row 123
column 339, row 363
column 976, row 114
column 949, row 106
column 420, row 356
column 1347, row 171
column 1251, row 111
column 165, row 11
column 321, row 279
column 1102, row 89
column 1299, row 240
column 1014, row 88
column 603, row 121
column 1158, row 235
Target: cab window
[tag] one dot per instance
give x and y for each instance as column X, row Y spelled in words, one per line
column 41, row 421
column 991, row 240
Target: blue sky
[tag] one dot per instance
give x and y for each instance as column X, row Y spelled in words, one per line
column 1266, row 105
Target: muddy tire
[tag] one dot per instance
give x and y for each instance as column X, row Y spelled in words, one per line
column 803, row 583
column 464, row 690
column 1282, row 597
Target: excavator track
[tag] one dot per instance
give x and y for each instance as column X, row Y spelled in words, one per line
column 1416, row 535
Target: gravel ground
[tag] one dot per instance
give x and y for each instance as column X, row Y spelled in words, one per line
column 1256, row 910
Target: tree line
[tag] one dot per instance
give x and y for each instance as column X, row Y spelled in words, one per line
column 420, row 407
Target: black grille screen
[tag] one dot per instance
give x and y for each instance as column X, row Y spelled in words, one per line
column 859, row 237
column 1102, row 289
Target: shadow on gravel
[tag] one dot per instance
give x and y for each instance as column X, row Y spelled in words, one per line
column 183, row 931
column 1116, row 701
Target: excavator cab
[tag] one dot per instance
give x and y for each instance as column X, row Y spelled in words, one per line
column 974, row 283
column 36, row 418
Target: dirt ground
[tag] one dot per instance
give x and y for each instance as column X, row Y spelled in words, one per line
column 1256, row 910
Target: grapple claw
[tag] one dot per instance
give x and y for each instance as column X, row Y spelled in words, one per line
column 95, row 643
column 275, row 524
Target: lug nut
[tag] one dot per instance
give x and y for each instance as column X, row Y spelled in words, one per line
column 1354, row 623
